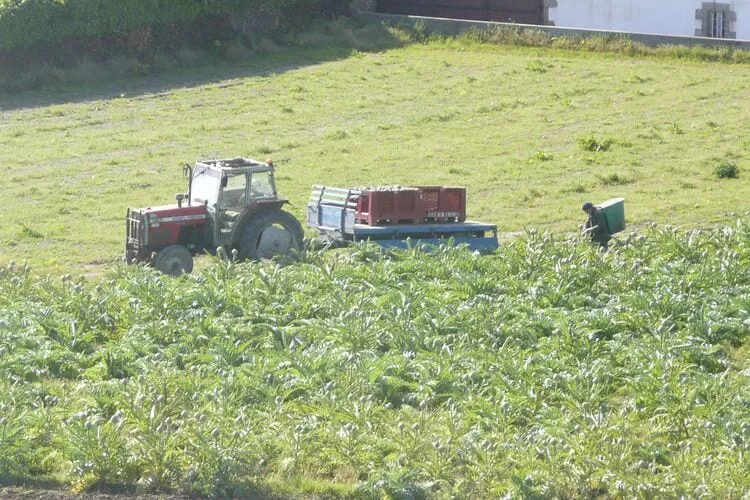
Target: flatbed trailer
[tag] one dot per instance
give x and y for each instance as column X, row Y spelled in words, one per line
column 331, row 211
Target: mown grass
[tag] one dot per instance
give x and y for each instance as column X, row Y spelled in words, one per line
column 549, row 369
column 361, row 105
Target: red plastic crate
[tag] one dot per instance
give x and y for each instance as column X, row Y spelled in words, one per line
column 443, row 204
column 412, row 205
column 392, row 206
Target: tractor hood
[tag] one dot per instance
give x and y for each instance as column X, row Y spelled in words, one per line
column 172, row 213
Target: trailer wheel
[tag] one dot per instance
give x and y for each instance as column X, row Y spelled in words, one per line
column 270, row 234
column 174, row 260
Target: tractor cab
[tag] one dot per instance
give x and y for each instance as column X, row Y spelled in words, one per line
column 232, row 190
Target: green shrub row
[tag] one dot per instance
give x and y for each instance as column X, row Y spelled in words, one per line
column 29, row 22
column 25, row 23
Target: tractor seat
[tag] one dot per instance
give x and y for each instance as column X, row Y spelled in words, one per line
column 228, row 220
column 231, row 215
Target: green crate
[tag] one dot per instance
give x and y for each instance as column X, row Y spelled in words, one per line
column 614, row 214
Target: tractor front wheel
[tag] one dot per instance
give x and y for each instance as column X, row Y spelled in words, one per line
column 174, row 260
column 269, row 234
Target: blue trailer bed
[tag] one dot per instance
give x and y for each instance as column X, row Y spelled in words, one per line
column 331, row 212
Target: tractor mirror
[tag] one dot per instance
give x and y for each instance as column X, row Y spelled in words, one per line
column 224, row 181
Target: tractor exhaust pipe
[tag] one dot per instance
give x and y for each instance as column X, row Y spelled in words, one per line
column 187, row 171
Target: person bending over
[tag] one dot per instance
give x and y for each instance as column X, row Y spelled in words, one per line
column 596, row 226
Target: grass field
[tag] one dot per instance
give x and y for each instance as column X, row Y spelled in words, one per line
column 523, row 128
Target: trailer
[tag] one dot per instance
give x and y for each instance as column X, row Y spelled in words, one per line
column 336, row 213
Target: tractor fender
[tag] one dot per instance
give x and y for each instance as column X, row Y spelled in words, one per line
column 254, row 209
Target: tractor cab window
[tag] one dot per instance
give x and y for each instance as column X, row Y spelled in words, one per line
column 261, row 185
column 205, row 187
column 233, row 194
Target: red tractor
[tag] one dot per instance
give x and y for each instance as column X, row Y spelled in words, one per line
column 230, row 204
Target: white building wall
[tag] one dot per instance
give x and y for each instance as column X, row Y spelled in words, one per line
column 742, row 26
column 669, row 17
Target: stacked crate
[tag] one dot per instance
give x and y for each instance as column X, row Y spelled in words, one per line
column 393, row 205
column 411, row 205
column 443, row 204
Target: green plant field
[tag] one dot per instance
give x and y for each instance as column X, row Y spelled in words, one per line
column 532, row 133
column 547, row 370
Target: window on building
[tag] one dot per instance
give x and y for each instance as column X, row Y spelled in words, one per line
column 716, row 24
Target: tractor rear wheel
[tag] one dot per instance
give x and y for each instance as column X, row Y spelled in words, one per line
column 269, row 234
column 174, row 260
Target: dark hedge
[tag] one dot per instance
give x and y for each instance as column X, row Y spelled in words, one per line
column 28, row 22
column 60, row 32
column 25, row 23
